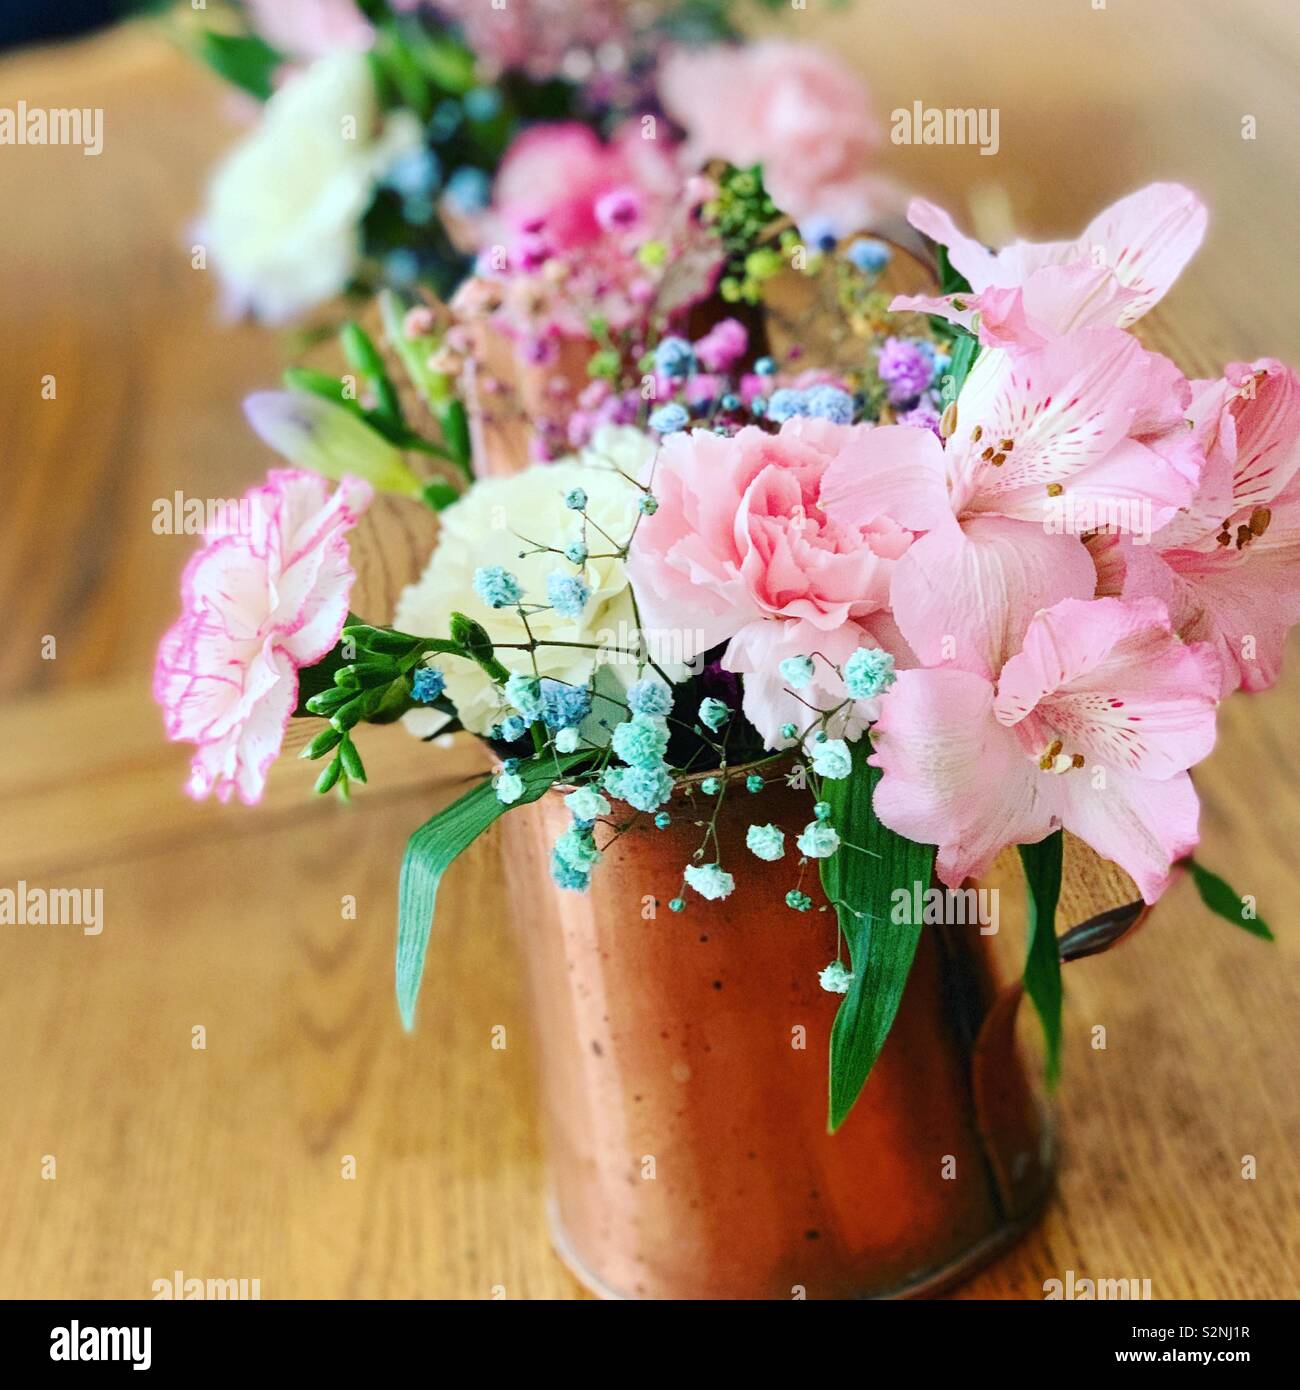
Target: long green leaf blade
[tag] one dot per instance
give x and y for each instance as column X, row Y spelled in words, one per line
column 1043, row 958
column 860, row 878
column 1226, row 902
column 431, row 850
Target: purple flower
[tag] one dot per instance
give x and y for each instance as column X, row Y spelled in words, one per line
column 906, row 368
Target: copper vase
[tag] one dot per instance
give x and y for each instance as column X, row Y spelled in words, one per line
column 683, row 1061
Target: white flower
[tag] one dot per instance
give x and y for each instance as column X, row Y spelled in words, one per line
column 283, row 220
column 490, row 525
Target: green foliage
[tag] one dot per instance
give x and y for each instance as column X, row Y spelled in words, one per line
column 1226, row 902
column 1042, row 977
column 860, row 879
column 244, row 59
column 432, row 849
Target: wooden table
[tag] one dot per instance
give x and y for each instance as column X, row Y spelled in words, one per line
column 229, row 1160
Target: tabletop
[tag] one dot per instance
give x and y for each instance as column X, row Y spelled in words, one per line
column 217, row 1082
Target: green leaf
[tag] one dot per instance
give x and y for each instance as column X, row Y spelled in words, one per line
column 860, row 878
column 1043, row 959
column 431, row 850
column 1226, row 901
column 951, row 280
column 440, row 494
column 366, row 358
column 244, row 59
column 965, row 349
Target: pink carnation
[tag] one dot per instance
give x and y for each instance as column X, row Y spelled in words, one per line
column 740, row 551
column 723, row 345
column 791, row 108
column 258, row 603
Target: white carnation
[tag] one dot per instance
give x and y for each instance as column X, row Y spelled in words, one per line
column 490, row 525
column 283, row 219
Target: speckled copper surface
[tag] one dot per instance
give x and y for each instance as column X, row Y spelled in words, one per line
column 683, row 1062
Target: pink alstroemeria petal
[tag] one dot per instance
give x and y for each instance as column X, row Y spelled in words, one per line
column 1144, row 826
column 953, row 777
column 1108, row 679
column 963, row 596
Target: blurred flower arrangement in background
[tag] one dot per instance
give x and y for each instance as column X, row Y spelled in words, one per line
column 734, row 488
column 385, row 124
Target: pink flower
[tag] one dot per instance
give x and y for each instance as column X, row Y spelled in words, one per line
column 1029, row 292
column 535, row 36
column 311, row 28
column 789, row 107
column 1092, row 725
column 561, row 185
column 1229, row 566
column 258, row 603
column 723, row 345
column 1047, row 443
column 740, row 551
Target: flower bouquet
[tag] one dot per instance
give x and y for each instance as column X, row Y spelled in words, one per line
column 843, row 574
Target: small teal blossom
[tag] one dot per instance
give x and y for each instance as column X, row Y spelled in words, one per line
column 575, row 499
column 649, row 696
column 670, row 418
column 766, row 841
column 586, row 804
column 676, row 904
column 567, row 876
column 818, row 841
column 714, row 713
column 497, row 587
column 754, row 782
column 509, row 788
column 710, row 880
column 675, row 358
column 765, row 367
column 868, row 672
column 711, row 786
column 870, row 257
column 822, row 810
column 513, row 727
column 643, row 788
column 830, row 403
column 832, row 759
column 428, row 684
column 566, row 593
column 797, row 671
column 577, row 552
column 525, row 694
column 566, row 741
column 577, row 848
column 649, row 504
column 836, row 979
column 564, row 706
column 801, row 902
column 663, row 820
column 788, row 731
column 510, row 765
column 641, row 741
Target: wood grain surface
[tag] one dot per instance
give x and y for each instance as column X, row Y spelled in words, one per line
column 229, row 1161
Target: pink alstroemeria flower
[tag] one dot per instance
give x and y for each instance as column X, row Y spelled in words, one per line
column 258, row 603
column 1091, row 725
column 1229, row 566
column 1030, row 292
column 741, row 551
column 1048, row 442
